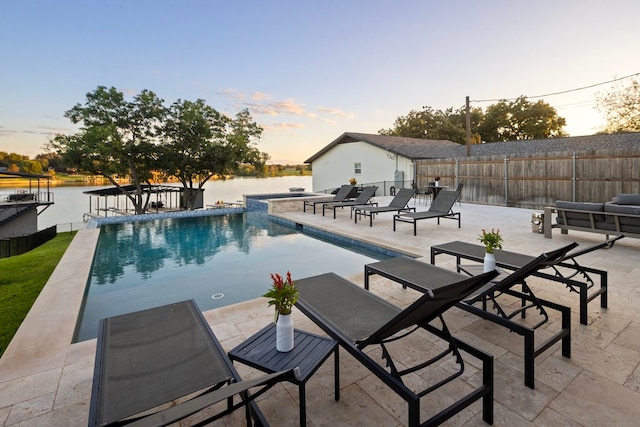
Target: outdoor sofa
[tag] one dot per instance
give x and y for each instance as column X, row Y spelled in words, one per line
column 620, row 216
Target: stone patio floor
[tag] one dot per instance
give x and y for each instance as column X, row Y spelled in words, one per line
column 45, row 381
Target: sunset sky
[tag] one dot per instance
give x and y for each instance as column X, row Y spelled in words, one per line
column 309, row 70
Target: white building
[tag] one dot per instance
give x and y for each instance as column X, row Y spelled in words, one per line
column 370, row 159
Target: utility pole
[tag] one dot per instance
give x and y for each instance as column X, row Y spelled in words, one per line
column 468, row 128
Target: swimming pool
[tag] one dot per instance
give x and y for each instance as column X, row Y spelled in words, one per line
column 216, row 260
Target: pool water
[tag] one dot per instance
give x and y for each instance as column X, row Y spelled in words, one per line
column 216, row 260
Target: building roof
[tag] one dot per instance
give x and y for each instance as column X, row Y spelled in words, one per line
column 416, row 148
column 550, row 145
column 412, row 148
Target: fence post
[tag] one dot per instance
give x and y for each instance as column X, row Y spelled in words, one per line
column 573, row 176
column 456, row 173
column 506, row 180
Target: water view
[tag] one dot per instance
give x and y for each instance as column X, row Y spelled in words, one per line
column 71, row 204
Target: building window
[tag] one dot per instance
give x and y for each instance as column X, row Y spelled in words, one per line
column 357, row 168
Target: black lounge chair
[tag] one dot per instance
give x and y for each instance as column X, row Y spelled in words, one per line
column 150, row 358
column 400, row 202
column 566, row 270
column 440, row 208
column 364, row 198
column 358, row 319
column 342, row 195
column 415, row 274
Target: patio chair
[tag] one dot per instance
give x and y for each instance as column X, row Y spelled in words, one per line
column 415, row 274
column 341, row 195
column 148, row 359
column 358, row 319
column 440, row 208
column 400, row 202
column 364, row 198
column 567, row 270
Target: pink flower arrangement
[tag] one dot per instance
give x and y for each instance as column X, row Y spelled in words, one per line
column 283, row 294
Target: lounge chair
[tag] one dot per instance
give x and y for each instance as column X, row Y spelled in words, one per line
column 566, row 270
column 358, row 319
column 416, row 275
column 440, row 208
column 400, row 202
column 364, row 198
column 341, row 195
column 148, row 359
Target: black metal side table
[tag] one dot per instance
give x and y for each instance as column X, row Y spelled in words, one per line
column 308, row 354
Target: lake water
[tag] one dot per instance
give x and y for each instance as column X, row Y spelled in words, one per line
column 70, row 204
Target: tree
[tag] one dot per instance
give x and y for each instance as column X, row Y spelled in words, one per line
column 504, row 121
column 116, row 138
column 435, row 124
column 200, row 143
column 519, row 120
column 621, row 107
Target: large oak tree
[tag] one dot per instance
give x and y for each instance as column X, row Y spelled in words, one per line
column 200, row 143
column 117, row 138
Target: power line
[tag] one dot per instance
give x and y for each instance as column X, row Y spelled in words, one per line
column 558, row 93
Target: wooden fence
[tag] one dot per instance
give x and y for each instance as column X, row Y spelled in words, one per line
column 538, row 180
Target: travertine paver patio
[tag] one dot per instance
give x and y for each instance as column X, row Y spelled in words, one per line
column 45, row 381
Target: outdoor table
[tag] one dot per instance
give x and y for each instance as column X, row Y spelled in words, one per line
column 308, row 354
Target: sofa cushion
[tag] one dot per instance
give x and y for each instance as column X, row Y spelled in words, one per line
column 627, row 218
column 580, row 219
column 622, row 209
column 580, row 206
column 628, row 199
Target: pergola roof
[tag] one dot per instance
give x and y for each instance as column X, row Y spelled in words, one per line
column 117, row 191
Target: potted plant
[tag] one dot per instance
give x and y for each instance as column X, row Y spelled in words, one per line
column 353, row 181
column 492, row 241
column 283, row 295
column 437, row 181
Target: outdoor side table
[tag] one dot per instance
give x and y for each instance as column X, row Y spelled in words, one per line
column 308, row 354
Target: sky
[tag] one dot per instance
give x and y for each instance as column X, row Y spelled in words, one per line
column 309, row 70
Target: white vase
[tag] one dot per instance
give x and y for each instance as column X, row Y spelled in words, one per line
column 284, row 333
column 437, row 184
column 489, row 262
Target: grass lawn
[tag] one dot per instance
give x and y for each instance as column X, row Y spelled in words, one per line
column 22, row 278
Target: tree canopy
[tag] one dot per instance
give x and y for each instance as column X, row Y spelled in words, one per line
column 504, row 121
column 116, row 138
column 189, row 140
column 621, row 106
column 200, row 143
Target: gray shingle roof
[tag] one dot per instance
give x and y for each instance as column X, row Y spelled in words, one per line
column 413, row 148
column 416, row 148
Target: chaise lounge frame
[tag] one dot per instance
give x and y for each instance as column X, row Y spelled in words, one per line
column 399, row 203
column 566, row 270
column 341, row 195
column 151, row 358
column 363, row 199
column 415, row 274
column 358, row 319
column 440, row 208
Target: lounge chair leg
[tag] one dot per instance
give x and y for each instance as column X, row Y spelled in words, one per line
column 529, row 360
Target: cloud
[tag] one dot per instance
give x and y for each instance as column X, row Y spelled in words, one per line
column 7, row 132
column 329, row 122
column 283, row 126
column 259, row 96
column 232, row 93
column 336, row 112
